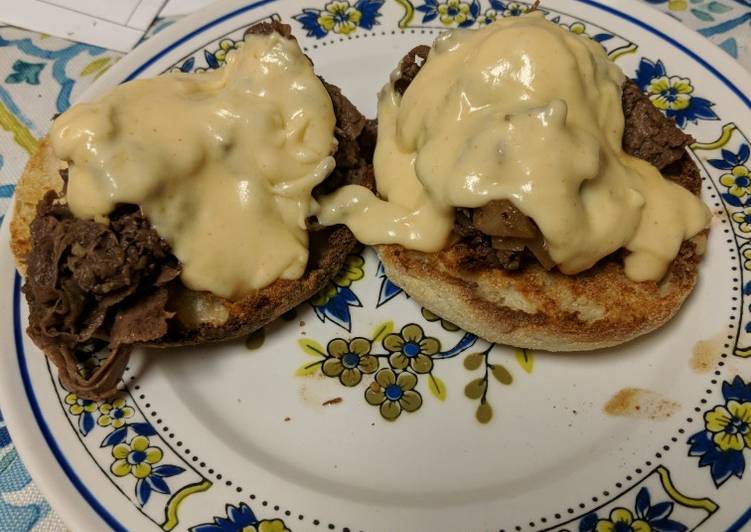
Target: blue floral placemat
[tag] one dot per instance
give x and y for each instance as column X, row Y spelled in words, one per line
column 41, row 75
column 727, row 23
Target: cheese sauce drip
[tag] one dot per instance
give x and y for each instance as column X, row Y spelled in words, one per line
column 527, row 111
column 222, row 163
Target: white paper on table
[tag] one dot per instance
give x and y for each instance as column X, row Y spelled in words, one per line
column 113, row 24
column 183, row 7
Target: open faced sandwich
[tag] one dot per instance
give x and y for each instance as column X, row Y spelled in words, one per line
column 528, row 191
column 176, row 210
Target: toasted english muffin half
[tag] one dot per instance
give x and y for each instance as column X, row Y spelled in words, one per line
column 535, row 308
column 161, row 312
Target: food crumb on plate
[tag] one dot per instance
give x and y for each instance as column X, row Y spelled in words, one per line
column 334, row 401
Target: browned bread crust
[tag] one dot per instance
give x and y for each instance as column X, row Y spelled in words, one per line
column 538, row 309
column 547, row 310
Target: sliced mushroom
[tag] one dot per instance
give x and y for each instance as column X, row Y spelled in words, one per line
column 501, row 218
column 539, row 249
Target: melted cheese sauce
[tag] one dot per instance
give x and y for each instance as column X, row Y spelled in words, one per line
column 527, row 111
column 222, row 163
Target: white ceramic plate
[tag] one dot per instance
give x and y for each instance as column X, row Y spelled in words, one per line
column 253, row 436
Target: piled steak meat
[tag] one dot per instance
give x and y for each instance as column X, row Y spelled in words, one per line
column 498, row 235
column 90, row 283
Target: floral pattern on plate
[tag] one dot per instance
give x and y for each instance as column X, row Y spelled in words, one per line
column 241, row 518
column 335, row 301
column 129, row 448
column 340, row 17
column 727, row 433
column 673, row 95
column 406, row 357
column 653, row 504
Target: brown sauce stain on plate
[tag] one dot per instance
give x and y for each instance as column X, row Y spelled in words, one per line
column 640, row 403
column 705, row 355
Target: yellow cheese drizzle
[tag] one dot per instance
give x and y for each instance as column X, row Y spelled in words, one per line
column 527, row 111
column 222, row 163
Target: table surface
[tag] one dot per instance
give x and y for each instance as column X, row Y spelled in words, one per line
column 41, row 75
